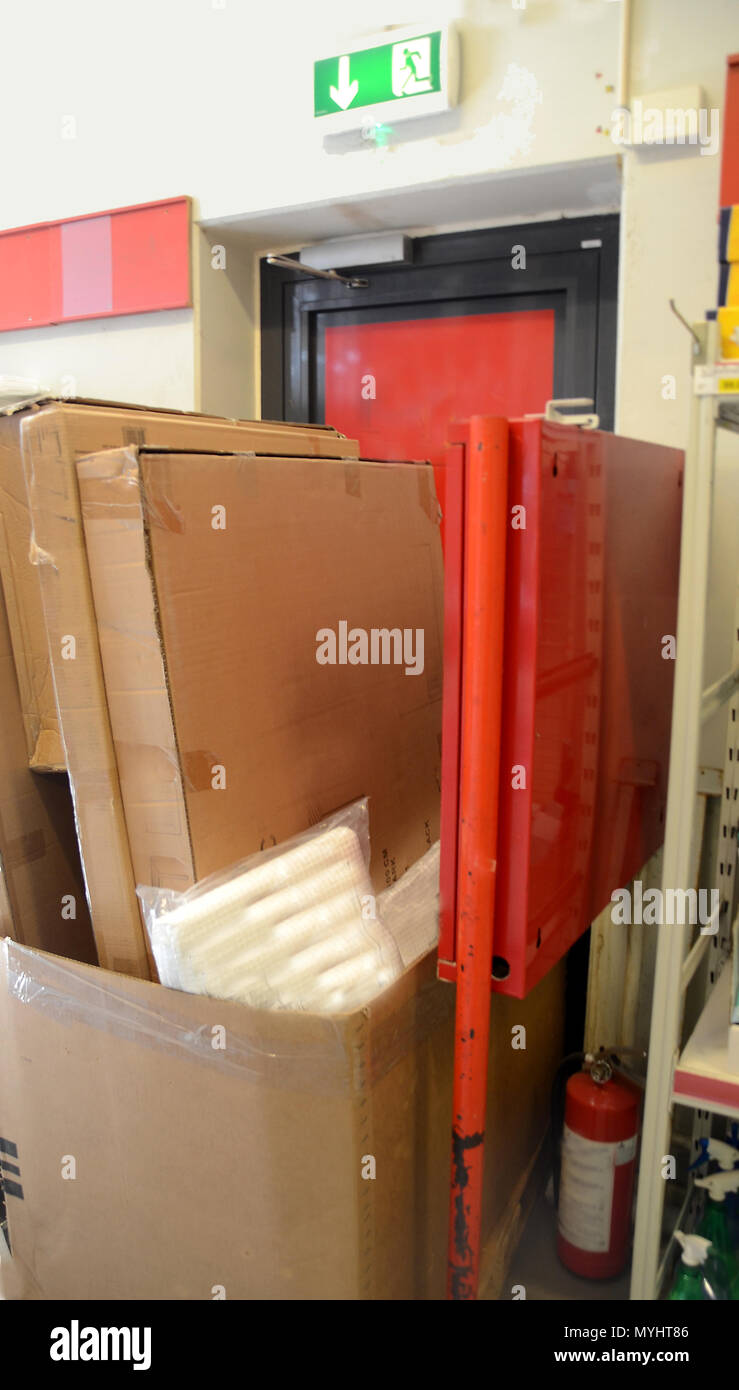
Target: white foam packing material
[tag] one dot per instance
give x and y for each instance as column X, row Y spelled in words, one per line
column 288, row 933
column 223, row 945
column 290, row 939
column 236, row 892
column 282, row 971
column 216, row 925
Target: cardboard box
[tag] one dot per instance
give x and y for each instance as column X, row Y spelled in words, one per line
column 52, row 619
column 242, row 1169
column 39, row 443
column 42, row 896
column 229, row 734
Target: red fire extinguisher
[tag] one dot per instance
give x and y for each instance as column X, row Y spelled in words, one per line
column 601, row 1124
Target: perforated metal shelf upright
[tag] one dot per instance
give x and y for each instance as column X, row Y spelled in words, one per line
column 697, row 1077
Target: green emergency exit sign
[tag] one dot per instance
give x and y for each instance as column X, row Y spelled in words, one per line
column 387, row 80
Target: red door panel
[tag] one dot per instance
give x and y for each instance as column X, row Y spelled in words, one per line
column 396, row 386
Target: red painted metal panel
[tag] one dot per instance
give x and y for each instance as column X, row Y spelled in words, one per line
column 485, row 530
column 552, row 707
column 642, row 492
column 519, row 694
column 30, row 278
column 729, row 195
column 151, row 258
column 591, row 592
column 131, row 260
column 453, row 475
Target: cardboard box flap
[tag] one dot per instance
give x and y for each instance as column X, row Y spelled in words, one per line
column 280, row 1048
column 36, row 402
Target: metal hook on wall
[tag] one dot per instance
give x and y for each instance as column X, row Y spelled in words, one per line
column 697, row 345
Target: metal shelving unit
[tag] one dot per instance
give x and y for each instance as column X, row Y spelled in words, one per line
column 697, row 1077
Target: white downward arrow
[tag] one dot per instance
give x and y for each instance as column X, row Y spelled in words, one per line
column 346, row 91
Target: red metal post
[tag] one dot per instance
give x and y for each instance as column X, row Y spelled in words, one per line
column 454, row 499
column 482, row 663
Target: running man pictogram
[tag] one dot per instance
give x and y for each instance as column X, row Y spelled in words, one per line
column 412, row 68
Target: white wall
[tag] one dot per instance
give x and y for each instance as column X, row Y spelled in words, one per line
column 147, row 359
column 668, row 250
column 214, row 98
column 669, row 232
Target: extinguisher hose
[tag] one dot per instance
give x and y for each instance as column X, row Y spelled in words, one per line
column 567, row 1068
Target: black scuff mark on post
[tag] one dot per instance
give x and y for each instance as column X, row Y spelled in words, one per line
column 461, row 1273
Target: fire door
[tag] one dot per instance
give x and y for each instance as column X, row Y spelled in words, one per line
column 495, row 320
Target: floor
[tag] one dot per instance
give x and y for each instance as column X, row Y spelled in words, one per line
column 537, row 1267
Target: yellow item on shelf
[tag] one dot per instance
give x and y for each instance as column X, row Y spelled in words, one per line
column 728, row 323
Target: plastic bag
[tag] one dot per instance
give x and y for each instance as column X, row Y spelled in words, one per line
column 409, row 909
column 293, row 927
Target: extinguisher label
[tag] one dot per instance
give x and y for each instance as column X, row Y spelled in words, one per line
column 586, row 1188
column 625, row 1150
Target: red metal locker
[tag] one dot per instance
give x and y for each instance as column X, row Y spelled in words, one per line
column 592, row 554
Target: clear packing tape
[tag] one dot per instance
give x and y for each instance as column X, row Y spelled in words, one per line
column 297, row 926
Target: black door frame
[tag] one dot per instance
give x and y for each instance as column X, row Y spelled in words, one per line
column 453, row 267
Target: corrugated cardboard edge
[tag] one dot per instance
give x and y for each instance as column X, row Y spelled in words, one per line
column 112, row 501
column 78, row 684
column 13, row 614
column 44, row 398
column 42, row 895
column 21, row 585
column 346, row 448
